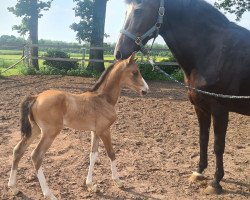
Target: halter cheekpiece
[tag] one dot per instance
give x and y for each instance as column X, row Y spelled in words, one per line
column 155, row 29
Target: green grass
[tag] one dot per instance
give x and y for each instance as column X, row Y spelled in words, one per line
column 11, row 52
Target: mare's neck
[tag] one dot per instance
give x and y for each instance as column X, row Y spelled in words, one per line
column 193, row 30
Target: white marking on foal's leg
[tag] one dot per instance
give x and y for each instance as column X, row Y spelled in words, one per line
column 114, row 170
column 12, row 182
column 146, row 88
column 93, row 157
column 43, row 183
column 115, row 175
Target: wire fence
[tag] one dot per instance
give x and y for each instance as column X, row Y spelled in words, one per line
column 10, row 54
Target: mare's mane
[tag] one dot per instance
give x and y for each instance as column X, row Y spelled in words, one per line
column 196, row 6
column 102, row 77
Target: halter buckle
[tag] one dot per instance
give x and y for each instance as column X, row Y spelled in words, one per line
column 158, row 26
column 161, row 11
column 138, row 41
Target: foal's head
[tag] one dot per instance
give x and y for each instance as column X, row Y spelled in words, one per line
column 131, row 76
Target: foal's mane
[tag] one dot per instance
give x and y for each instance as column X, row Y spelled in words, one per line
column 103, row 77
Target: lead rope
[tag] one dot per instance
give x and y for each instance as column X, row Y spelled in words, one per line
column 151, row 61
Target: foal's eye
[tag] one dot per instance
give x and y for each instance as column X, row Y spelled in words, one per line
column 135, row 73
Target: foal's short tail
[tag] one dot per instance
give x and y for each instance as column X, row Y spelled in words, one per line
column 26, row 115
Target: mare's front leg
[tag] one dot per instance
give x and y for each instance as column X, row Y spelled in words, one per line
column 204, row 119
column 93, row 157
column 106, row 138
column 220, row 122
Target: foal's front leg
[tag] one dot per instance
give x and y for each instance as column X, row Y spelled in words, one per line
column 93, row 157
column 106, row 138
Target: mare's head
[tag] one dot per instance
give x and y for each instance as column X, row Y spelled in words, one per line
column 141, row 15
column 131, row 76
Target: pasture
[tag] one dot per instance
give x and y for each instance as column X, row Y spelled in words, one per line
column 10, row 57
column 155, row 139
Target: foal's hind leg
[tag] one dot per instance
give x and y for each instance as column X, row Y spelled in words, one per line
column 18, row 153
column 37, row 155
column 106, row 138
column 93, row 157
column 204, row 118
column 220, row 122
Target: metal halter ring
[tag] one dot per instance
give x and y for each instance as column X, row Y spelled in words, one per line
column 158, row 25
column 161, row 11
column 138, row 40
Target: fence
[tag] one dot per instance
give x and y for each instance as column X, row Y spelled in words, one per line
column 81, row 57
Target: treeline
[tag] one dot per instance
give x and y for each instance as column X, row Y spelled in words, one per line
column 11, row 42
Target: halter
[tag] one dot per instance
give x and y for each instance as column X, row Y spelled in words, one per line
column 155, row 29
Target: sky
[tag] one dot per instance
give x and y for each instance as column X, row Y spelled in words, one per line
column 55, row 23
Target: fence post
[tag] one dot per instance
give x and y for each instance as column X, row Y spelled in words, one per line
column 83, row 56
column 26, row 53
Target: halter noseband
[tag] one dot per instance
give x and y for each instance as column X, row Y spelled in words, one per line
column 155, row 29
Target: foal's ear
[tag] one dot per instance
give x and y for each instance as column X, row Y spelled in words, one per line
column 132, row 58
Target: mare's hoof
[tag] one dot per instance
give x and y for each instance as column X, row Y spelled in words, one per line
column 92, row 188
column 119, row 183
column 213, row 190
column 14, row 191
column 196, row 177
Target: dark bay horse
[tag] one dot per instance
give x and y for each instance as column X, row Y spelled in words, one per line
column 214, row 54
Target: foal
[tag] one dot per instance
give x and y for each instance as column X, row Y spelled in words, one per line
column 48, row 112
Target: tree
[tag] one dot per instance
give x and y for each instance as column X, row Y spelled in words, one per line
column 11, row 41
column 91, row 28
column 30, row 11
column 238, row 7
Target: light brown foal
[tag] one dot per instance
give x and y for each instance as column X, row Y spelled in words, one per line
column 48, row 112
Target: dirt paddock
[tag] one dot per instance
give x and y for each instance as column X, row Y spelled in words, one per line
column 155, row 139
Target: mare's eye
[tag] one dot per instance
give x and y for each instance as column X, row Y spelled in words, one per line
column 138, row 11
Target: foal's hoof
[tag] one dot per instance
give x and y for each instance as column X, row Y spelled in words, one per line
column 213, row 190
column 119, row 183
column 196, row 177
column 14, row 191
column 50, row 197
column 92, row 188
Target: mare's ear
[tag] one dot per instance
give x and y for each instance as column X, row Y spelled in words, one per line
column 132, row 59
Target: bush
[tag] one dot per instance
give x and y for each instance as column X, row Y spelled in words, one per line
column 59, row 65
column 149, row 74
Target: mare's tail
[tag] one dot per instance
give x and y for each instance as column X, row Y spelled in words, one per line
column 26, row 115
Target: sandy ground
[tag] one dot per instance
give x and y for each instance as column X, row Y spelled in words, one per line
column 155, row 139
